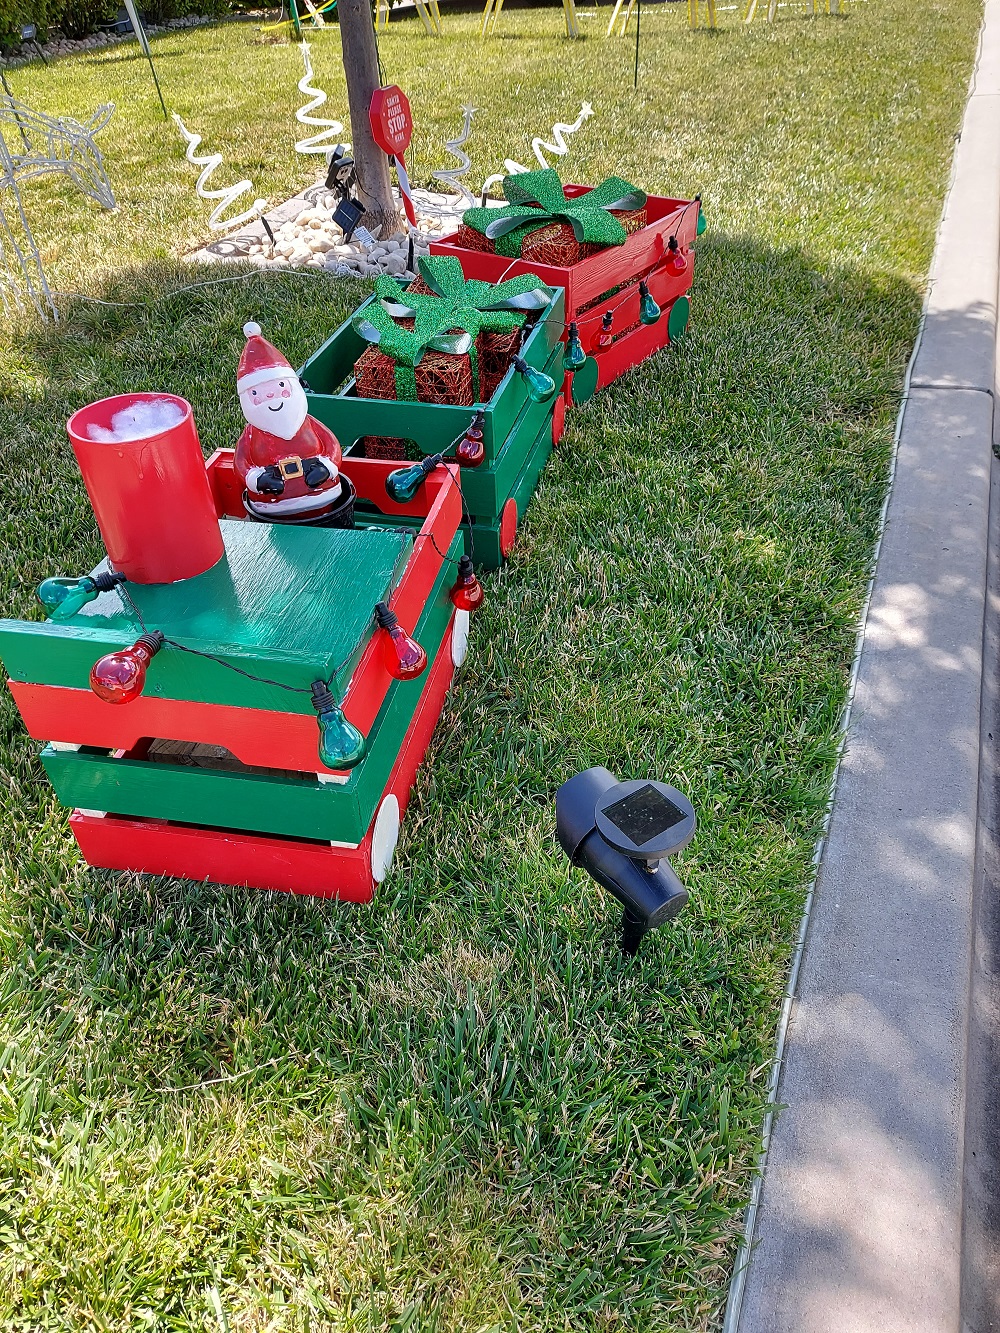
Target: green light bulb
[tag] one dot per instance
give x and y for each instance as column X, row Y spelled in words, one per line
column 341, row 745
column 702, row 220
column 649, row 311
column 403, row 484
column 574, row 357
column 62, row 598
column 540, row 386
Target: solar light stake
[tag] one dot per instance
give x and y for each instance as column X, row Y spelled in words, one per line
column 622, row 834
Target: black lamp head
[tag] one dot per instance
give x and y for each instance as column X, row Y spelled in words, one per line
column 646, row 820
column 622, row 834
column 340, row 174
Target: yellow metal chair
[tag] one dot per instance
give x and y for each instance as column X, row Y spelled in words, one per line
column 623, row 11
column 492, row 8
column 755, row 8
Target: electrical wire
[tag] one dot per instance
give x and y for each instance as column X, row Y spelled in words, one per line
column 378, row 56
column 311, row 274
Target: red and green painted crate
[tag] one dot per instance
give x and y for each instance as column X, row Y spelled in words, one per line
column 296, row 804
column 610, row 280
column 291, row 604
column 188, row 698
column 518, row 434
column 267, row 861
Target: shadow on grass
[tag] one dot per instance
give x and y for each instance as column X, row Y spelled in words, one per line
column 460, row 1099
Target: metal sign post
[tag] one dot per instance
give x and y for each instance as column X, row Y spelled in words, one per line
column 140, row 33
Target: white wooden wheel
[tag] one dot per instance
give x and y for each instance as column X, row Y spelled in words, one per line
column 460, row 638
column 385, row 835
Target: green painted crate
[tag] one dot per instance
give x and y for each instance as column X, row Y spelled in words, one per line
column 482, row 533
column 432, row 426
column 257, row 609
column 485, row 489
column 298, row 807
column 482, row 537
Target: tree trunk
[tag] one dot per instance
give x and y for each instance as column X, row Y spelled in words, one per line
column 371, row 164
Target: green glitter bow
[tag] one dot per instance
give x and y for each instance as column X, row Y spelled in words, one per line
column 537, row 200
column 448, row 320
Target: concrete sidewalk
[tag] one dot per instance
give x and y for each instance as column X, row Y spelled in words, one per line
column 859, row 1225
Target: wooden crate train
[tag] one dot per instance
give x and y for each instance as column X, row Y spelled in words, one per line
column 244, row 689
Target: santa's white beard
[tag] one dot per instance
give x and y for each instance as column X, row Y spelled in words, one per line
column 284, row 423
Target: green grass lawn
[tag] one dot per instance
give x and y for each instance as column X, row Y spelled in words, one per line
column 460, row 1109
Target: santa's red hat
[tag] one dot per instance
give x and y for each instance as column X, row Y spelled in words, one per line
column 260, row 361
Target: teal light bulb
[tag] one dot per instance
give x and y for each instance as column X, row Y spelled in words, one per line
column 574, row 356
column 62, row 598
column 702, row 220
column 341, row 745
column 540, row 386
column 403, row 484
column 649, row 311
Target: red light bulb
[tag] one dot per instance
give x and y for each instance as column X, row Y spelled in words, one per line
column 119, row 677
column 404, row 657
column 471, row 450
column 676, row 261
column 602, row 338
column 467, row 593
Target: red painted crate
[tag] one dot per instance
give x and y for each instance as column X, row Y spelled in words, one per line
column 222, row 856
column 588, row 282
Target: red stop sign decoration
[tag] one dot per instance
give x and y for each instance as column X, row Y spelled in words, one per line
column 392, row 122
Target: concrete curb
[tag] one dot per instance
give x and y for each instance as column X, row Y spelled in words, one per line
column 857, row 1225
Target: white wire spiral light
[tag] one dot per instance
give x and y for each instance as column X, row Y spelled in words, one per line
column 326, row 139
column 560, row 148
column 559, row 132
column 450, row 176
column 227, row 197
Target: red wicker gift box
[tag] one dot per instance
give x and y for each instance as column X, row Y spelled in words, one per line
column 442, row 377
column 554, row 244
column 608, row 280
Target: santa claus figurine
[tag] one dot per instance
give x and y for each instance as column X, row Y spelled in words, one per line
column 288, row 461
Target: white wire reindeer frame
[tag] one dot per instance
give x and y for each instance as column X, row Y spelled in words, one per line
column 33, row 144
